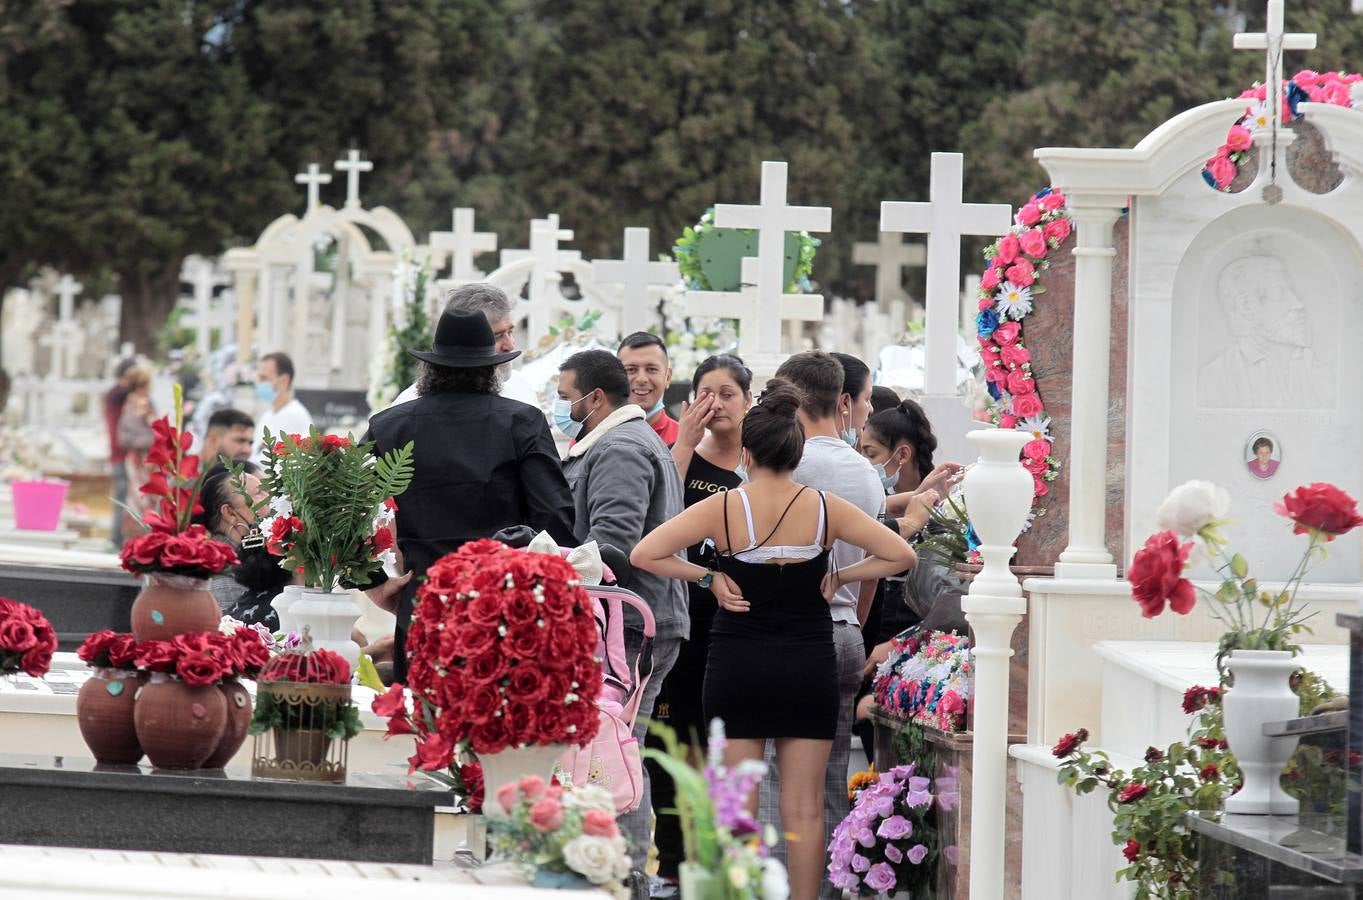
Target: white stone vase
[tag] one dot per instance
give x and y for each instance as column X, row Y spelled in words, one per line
column 1262, row 693
column 283, row 603
column 510, row 766
column 330, row 617
column 998, row 495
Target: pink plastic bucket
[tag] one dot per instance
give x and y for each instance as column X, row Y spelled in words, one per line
column 38, row 504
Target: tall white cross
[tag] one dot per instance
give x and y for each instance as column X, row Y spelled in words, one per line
column 352, row 166
column 313, row 178
column 67, row 289
column 944, row 219
column 65, row 339
column 772, row 218
column 639, row 278
column 545, row 235
column 747, row 306
column 1273, row 41
column 891, row 256
column 463, row 245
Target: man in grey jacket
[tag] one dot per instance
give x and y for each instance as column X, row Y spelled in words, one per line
column 625, row 484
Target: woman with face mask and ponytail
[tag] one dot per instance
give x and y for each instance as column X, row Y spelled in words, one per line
column 245, row 591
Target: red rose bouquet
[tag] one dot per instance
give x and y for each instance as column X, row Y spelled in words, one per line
column 501, row 654
column 332, row 505
column 203, row 658
column 171, row 543
column 1256, row 618
column 27, row 640
column 109, row 650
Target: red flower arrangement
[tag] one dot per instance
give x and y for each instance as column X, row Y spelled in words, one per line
column 109, row 650
column 27, row 640
column 315, row 667
column 171, row 543
column 502, row 654
column 1321, row 510
column 203, row 658
column 1156, row 575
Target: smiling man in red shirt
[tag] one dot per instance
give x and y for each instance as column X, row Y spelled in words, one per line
column 644, row 357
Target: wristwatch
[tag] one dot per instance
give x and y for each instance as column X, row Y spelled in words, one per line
column 706, row 580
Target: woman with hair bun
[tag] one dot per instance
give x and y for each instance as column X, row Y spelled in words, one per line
column 771, row 671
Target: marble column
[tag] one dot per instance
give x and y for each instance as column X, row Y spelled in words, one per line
column 1086, row 555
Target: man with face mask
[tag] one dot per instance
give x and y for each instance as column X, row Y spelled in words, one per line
column 493, row 303
column 624, row 485
column 283, row 413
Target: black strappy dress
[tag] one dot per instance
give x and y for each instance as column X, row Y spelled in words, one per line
column 772, row 671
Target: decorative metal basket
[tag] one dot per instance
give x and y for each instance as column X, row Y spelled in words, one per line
column 300, row 749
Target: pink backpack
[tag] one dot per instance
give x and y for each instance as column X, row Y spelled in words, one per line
column 612, row 759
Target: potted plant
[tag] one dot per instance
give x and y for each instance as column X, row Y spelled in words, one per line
column 174, row 557
column 27, row 640
column 303, row 702
column 332, row 510
column 501, row 652
column 562, row 837
column 37, row 499
column 886, row 845
column 1256, row 653
column 182, row 714
column 104, row 706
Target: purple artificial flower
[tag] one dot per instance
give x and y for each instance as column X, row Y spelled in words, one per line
column 918, row 784
column 881, row 878
column 878, row 803
column 861, row 863
column 866, row 838
column 919, row 799
column 894, row 854
column 901, row 772
column 917, row 853
column 895, row 828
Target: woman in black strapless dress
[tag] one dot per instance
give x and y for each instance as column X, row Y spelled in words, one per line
column 771, row 669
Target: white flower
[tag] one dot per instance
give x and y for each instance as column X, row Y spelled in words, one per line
column 594, row 858
column 1039, row 426
column 1192, row 506
column 738, row 876
column 775, row 883
column 589, row 797
column 281, row 505
column 1013, row 300
column 227, row 625
column 1260, row 116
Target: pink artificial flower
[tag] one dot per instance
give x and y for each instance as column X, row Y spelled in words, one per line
column 1007, row 333
column 1337, row 94
column 1029, row 215
column 1238, row 138
column 1026, row 405
column 1015, row 355
column 1222, row 170
column 989, row 281
column 1307, row 78
column 507, row 796
column 1008, row 249
column 1053, row 201
column 1022, row 272
column 1007, row 421
column 1057, row 230
column 1033, row 243
column 1019, row 382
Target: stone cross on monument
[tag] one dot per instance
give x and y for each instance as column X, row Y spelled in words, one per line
column 1273, row 41
column 462, row 245
column 65, row 339
column 944, row 219
column 352, row 166
column 761, row 318
column 746, row 306
column 639, row 278
column 549, row 260
column 891, row 256
column 313, row 178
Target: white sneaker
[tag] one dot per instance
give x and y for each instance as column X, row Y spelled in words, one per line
column 662, row 889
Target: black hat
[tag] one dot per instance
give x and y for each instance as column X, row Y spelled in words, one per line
column 463, row 340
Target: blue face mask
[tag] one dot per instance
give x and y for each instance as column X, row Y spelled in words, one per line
column 655, row 409
column 741, row 471
column 563, row 418
column 886, row 481
column 265, row 391
column 849, row 435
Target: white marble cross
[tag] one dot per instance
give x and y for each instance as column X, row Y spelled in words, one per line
column 891, row 256
column 944, row 219
column 352, row 166
column 462, row 245
column 67, row 289
column 772, row 218
column 313, row 178
column 640, row 279
column 204, row 277
column 746, row 305
column 65, row 340
column 1273, row 41
column 545, row 235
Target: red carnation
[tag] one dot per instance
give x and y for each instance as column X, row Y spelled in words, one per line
column 1132, row 850
column 1209, row 772
column 1321, row 509
column 1133, row 792
column 1156, row 576
column 1070, row 743
column 383, row 540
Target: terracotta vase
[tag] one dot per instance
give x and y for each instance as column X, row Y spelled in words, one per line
column 238, row 719
column 104, row 712
column 173, row 604
column 179, row 726
column 301, row 745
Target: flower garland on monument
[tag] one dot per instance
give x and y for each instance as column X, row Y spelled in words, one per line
column 1307, row 86
column 1009, row 288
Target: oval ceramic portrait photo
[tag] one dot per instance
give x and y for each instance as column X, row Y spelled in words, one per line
column 1263, row 454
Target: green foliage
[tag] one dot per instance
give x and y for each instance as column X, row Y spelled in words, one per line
column 174, row 335
column 340, row 720
column 944, row 537
column 694, row 807
column 412, row 330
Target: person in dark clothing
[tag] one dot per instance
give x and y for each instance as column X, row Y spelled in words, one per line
column 482, row 462
column 118, row 472
column 246, row 591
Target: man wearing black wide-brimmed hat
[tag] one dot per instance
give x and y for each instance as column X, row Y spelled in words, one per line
column 481, row 462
